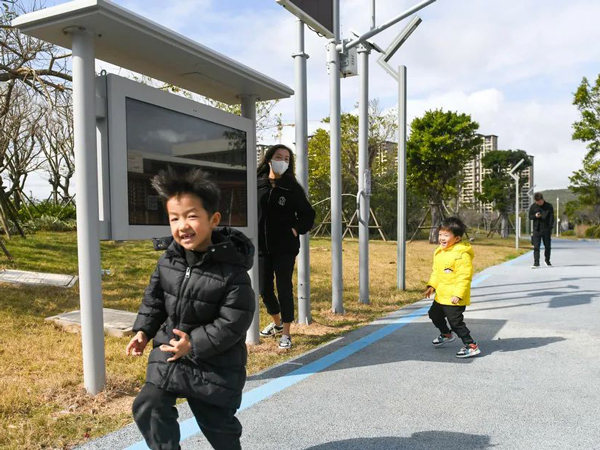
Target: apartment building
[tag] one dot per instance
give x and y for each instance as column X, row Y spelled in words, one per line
column 474, row 174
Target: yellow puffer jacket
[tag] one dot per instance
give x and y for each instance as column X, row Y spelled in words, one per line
column 452, row 274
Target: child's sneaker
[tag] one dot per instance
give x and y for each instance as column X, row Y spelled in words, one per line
column 443, row 339
column 285, row 342
column 271, row 330
column 468, row 351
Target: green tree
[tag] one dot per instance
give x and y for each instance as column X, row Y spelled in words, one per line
column 382, row 129
column 586, row 181
column 586, row 184
column 498, row 187
column 587, row 129
column 440, row 144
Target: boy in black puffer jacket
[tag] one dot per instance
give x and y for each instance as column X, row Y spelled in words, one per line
column 197, row 308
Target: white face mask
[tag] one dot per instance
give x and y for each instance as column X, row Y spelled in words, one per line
column 279, row 167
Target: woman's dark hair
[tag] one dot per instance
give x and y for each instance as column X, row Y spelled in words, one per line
column 263, row 167
column 170, row 183
column 453, row 225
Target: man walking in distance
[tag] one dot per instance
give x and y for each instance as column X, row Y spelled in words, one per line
column 542, row 214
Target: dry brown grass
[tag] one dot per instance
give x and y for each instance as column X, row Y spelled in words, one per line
column 42, row 401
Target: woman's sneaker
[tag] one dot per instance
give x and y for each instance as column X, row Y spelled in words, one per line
column 285, row 342
column 443, row 339
column 271, row 330
column 468, row 351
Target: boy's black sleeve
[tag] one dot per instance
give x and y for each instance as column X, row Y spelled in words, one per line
column 305, row 214
column 235, row 317
column 152, row 312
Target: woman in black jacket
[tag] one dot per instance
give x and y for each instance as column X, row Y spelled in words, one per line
column 284, row 213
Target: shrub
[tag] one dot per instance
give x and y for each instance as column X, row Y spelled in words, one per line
column 593, row 231
column 49, row 209
column 568, row 233
column 50, row 223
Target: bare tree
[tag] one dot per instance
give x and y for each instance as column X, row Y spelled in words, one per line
column 28, row 68
column 23, row 122
column 57, row 146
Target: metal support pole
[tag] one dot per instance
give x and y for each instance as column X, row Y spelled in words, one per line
column 88, row 235
column 300, row 95
column 337, row 284
column 517, row 214
column 386, row 25
column 373, row 22
column 249, row 112
column 401, row 226
column 557, row 217
column 363, row 174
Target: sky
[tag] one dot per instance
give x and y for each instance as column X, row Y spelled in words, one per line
column 512, row 65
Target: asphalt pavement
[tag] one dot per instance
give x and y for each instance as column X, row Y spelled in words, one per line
column 535, row 385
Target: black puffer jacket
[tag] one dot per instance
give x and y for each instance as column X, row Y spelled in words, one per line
column 281, row 208
column 213, row 302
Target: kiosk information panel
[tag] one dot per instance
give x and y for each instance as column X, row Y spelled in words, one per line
column 149, row 130
column 158, row 136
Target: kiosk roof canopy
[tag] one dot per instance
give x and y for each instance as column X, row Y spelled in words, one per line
column 130, row 41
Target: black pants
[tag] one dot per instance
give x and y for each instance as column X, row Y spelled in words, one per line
column 536, row 239
column 281, row 267
column 439, row 313
column 155, row 414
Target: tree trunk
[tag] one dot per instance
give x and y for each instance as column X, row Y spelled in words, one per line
column 504, row 228
column 5, row 250
column 436, row 220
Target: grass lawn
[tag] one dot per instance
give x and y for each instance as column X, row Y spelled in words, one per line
column 42, row 401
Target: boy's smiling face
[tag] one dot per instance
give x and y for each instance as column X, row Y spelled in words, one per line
column 191, row 225
column 447, row 239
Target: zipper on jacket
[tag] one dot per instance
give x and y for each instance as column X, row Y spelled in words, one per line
column 267, row 219
column 170, row 369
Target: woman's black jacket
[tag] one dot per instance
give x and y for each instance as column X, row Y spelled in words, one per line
column 213, row 302
column 281, row 208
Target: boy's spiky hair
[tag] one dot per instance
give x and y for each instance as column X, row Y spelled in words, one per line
column 454, row 225
column 170, row 183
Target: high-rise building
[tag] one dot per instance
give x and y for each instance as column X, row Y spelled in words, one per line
column 474, row 174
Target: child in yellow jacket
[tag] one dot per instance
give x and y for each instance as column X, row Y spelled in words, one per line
column 451, row 282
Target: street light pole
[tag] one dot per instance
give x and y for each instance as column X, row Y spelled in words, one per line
column 300, row 57
column 364, row 173
column 401, row 223
column 335, row 147
column 363, row 200
column 516, row 178
column 400, row 76
column 557, row 217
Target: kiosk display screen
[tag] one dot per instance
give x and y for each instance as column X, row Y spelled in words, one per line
column 158, row 137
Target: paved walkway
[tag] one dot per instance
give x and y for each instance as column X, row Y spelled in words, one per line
column 383, row 387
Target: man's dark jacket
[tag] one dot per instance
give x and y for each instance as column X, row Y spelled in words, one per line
column 281, row 208
column 545, row 223
column 213, row 302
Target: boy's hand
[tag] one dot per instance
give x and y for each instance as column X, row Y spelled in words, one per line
column 295, row 232
column 430, row 290
column 137, row 344
column 455, row 300
column 179, row 348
